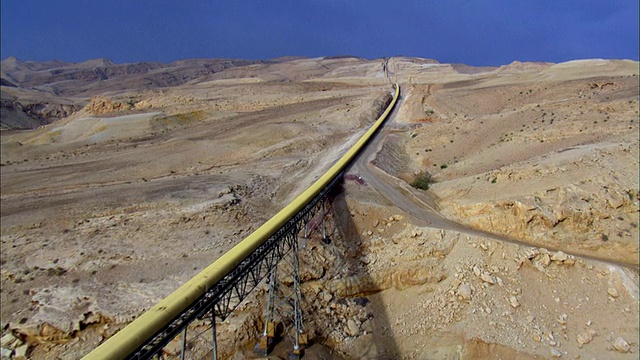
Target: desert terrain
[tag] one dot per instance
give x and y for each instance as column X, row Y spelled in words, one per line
column 496, row 215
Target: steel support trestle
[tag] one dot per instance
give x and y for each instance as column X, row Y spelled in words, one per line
column 222, row 298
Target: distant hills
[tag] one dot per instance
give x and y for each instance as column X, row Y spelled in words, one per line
column 37, row 93
column 99, row 75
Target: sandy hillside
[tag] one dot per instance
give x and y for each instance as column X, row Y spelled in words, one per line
column 111, row 207
column 546, row 157
column 549, row 156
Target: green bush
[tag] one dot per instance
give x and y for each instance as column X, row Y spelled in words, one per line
column 422, row 181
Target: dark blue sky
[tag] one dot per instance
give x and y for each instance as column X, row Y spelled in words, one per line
column 451, row 31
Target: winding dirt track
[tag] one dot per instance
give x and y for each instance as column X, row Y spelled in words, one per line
column 420, row 207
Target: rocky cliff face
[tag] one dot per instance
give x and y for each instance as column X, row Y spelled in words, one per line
column 13, row 116
column 590, row 218
column 16, row 115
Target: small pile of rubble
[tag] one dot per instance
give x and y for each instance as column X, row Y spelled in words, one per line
column 540, row 258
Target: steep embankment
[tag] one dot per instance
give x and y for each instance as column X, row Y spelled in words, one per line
column 548, row 156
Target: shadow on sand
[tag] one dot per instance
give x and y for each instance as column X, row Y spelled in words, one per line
column 378, row 342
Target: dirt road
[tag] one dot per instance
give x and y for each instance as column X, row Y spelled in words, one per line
column 419, row 204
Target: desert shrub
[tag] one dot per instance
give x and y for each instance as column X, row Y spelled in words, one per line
column 422, row 181
column 132, row 102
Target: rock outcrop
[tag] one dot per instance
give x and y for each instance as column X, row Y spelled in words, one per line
column 16, row 115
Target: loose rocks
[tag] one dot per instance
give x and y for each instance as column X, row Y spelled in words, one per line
column 21, row 352
column 488, row 278
column 559, row 256
column 621, row 345
column 464, row 291
column 352, row 328
column 514, row 302
column 584, row 338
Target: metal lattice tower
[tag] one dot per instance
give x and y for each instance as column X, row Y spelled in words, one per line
column 284, row 303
